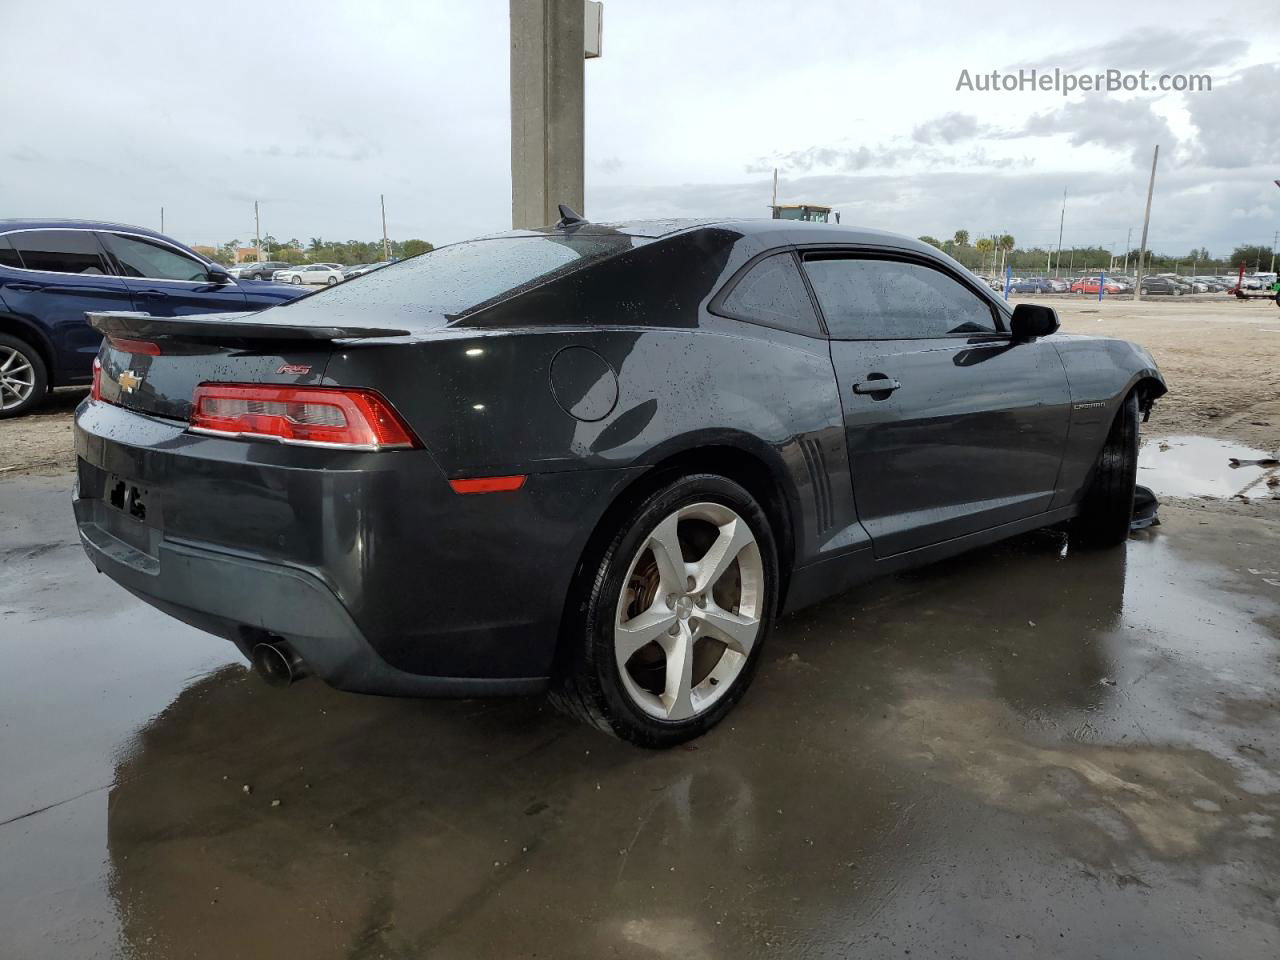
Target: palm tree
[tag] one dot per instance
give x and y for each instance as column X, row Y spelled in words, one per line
column 1005, row 243
column 984, row 246
column 962, row 238
column 316, row 244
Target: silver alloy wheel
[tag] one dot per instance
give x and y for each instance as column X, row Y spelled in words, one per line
column 17, row 378
column 684, row 628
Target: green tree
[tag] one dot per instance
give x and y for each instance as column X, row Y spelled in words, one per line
column 984, row 245
column 962, row 238
column 1006, row 244
column 411, row 248
column 932, row 241
column 1253, row 256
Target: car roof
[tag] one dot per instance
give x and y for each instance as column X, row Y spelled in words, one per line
column 57, row 224
column 786, row 231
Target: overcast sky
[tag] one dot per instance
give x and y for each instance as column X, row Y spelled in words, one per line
column 111, row 110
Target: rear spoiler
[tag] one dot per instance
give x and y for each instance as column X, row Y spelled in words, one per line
column 218, row 327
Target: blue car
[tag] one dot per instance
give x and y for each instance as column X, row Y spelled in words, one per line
column 1032, row 285
column 52, row 271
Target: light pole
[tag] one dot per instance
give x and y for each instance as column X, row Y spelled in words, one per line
column 386, row 247
column 1146, row 222
column 1061, row 220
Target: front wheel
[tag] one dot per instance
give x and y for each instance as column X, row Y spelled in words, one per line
column 1107, row 508
column 666, row 636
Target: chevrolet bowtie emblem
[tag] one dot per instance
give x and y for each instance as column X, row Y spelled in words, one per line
column 128, row 381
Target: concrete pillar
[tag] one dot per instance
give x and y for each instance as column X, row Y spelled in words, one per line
column 546, row 109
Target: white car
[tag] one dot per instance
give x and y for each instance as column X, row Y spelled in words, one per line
column 326, row 273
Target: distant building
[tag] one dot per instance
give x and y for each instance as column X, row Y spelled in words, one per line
column 245, row 254
column 205, row 251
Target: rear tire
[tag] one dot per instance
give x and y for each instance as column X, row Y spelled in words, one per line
column 658, row 652
column 1107, row 508
column 24, row 379
column 297, row 280
column 331, row 281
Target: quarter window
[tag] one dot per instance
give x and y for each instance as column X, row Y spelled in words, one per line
column 865, row 299
column 773, row 293
column 143, row 258
column 59, row 251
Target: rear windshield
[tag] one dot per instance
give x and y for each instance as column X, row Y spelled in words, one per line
column 464, row 277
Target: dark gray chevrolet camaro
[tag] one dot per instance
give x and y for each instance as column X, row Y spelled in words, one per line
column 595, row 459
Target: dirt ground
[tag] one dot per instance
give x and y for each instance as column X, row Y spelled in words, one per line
column 1221, row 358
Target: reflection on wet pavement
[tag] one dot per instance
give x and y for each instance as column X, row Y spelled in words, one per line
column 1030, row 750
column 1201, row 467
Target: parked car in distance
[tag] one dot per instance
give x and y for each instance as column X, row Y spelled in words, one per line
column 1161, row 285
column 53, row 271
column 1090, row 285
column 359, row 270
column 318, row 273
column 684, row 429
column 260, row 270
column 1032, row 285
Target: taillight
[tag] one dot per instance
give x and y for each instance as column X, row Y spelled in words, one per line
column 315, row 416
column 95, row 391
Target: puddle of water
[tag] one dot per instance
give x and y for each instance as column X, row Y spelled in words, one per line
column 1187, row 466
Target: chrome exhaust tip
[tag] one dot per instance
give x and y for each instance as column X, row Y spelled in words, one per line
column 277, row 665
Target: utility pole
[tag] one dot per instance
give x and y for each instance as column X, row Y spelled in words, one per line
column 162, row 219
column 1128, row 244
column 257, row 231
column 1061, row 220
column 386, row 247
column 1146, row 222
column 1274, row 241
column 773, row 206
column 549, row 41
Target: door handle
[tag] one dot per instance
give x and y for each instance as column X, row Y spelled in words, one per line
column 154, row 294
column 24, row 287
column 879, row 385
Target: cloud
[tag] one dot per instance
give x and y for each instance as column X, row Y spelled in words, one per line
column 1160, row 51
column 1239, row 124
column 1102, row 206
column 834, row 158
column 610, row 164
column 948, row 128
column 1118, row 124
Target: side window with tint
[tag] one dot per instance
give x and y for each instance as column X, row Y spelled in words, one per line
column 8, row 255
column 865, row 299
column 142, row 258
column 59, row 251
column 773, row 293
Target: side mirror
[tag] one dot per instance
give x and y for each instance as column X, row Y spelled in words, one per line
column 218, row 275
column 1030, row 320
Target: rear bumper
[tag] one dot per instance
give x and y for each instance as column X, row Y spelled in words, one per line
column 249, row 601
column 378, row 576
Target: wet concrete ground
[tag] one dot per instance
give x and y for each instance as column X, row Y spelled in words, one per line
column 1030, row 751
